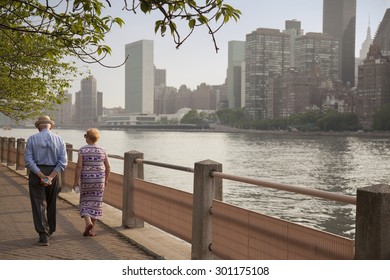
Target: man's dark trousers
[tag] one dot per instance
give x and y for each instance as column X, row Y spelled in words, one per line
column 44, row 202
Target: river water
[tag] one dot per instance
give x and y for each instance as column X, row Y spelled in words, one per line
column 328, row 162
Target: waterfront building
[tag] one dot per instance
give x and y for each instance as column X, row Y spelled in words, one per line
column 139, row 77
column 333, row 95
column 161, row 92
column 291, row 93
column 221, row 95
column 204, row 98
column 333, row 104
column 115, row 111
column 88, row 102
column 267, row 54
column 169, row 100
column 236, row 57
column 382, row 36
column 182, row 97
column 373, row 89
column 164, row 100
column 339, row 20
column 318, row 51
column 123, row 120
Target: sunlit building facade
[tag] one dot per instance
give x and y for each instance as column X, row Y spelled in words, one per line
column 267, row 54
column 88, row 102
column 318, row 52
column 139, row 77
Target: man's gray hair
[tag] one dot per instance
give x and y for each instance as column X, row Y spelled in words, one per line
column 43, row 126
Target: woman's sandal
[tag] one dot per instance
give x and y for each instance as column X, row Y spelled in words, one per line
column 87, row 229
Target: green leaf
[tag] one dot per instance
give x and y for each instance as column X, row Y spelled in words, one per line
column 192, row 23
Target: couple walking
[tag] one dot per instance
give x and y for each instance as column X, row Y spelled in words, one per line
column 46, row 158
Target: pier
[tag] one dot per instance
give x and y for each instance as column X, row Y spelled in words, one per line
column 203, row 227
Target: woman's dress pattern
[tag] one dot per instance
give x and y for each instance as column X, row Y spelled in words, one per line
column 92, row 181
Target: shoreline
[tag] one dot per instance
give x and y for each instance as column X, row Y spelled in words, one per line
column 227, row 129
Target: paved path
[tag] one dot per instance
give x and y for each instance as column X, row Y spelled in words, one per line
column 18, row 239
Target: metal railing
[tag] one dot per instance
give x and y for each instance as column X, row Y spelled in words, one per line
column 289, row 188
column 349, row 199
column 165, row 165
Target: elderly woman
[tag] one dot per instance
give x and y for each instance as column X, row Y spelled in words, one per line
column 92, row 172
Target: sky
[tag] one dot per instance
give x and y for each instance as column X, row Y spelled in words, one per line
column 197, row 61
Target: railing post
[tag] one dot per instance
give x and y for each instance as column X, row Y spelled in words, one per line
column 131, row 170
column 69, row 151
column 11, row 147
column 20, row 148
column 1, row 148
column 4, row 145
column 205, row 190
column 66, row 177
column 373, row 223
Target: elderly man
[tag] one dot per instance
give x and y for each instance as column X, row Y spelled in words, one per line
column 46, row 158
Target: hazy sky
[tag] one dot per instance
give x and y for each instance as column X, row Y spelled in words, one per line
column 196, row 61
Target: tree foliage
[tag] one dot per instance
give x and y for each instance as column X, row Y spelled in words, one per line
column 382, row 118
column 231, row 116
column 199, row 118
column 37, row 37
column 339, row 121
column 75, row 27
column 308, row 121
column 32, row 76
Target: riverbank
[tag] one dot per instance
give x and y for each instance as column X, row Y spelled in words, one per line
column 228, row 129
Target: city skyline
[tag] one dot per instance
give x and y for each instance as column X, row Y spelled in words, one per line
column 196, row 61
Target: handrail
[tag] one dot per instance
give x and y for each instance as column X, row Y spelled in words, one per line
column 170, row 166
column 109, row 155
column 290, row 188
column 116, row 156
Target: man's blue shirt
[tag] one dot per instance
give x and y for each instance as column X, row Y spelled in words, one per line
column 45, row 148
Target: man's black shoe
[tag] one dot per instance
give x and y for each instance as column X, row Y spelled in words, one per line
column 43, row 240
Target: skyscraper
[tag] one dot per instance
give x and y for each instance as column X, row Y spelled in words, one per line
column 87, row 101
column 139, row 77
column 236, row 56
column 339, row 20
column 267, row 54
column 366, row 44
